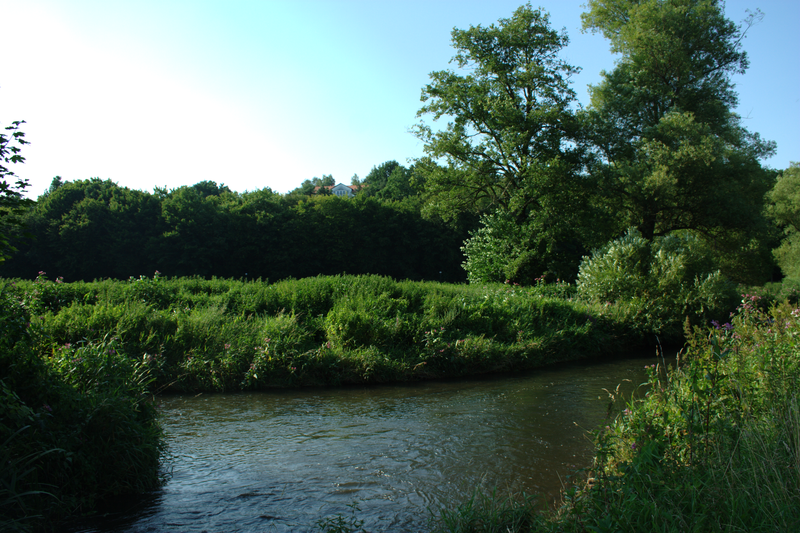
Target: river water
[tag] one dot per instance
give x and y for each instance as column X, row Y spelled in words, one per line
column 282, row 461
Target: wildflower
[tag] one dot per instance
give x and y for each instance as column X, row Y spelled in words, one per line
column 227, row 346
column 47, row 408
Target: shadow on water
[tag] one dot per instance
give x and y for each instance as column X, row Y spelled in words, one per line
column 282, row 460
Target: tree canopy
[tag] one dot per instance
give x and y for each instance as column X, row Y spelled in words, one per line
column 784, row 209
column 12, row 203
column 673, row 154
column 659, row 149
column 513, row 142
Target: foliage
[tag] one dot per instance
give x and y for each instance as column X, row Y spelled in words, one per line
column 77, row 423
column 491, row 513
column 672, row 153
column 12, row 203
column 93, row 229
column 389, row 181
column 503, row 249
column 714, row 445
column 513, row 143
column 784, row 209
column 228, row 335
column 665, row 281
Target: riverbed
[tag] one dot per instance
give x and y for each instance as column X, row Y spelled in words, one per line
column 281, row 461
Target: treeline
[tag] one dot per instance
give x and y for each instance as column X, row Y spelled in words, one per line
column 95, row 229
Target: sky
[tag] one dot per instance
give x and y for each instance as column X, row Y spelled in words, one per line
column 268, row 93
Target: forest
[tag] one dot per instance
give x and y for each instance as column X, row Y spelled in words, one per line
column 533, row 231
column 96, row 229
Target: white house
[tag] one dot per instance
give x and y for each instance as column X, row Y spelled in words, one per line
column 341, row 190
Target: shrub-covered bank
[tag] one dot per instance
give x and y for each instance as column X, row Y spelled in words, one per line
column 206, row 335
column 714, row 445
column 77, row 425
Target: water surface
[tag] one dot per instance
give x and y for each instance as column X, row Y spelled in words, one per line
column 281, row 461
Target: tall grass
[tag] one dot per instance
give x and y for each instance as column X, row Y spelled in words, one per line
column 214, row 335
column 714, row 445
column 77, row 423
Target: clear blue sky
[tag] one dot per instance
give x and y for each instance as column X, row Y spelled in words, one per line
column 269, row 93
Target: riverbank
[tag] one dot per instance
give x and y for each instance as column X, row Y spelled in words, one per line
column 713, row 446
column 227, row 335
column 77, row 425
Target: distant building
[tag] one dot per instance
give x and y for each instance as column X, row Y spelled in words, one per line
column 341, row 190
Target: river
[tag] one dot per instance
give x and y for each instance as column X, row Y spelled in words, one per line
column 281, row 461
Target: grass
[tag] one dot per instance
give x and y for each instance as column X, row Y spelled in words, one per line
column 224, row 335
column 77, row 424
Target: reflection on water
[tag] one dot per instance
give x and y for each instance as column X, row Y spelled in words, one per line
column 281, row 461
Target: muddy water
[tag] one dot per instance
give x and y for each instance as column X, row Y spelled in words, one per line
column 281, row 461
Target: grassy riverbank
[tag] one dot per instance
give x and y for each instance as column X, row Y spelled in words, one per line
column 215, row 335
column 81, row 360
column 77, row 425
column 713, row 446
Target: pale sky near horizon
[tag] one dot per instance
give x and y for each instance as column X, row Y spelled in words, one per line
column 269, row 93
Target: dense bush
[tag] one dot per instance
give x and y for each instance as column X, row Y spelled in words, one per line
column 77, row 423
column 660, row 283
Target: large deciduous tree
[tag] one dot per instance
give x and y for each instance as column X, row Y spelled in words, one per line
column 674, row 154
column 12, row 203
column 513, row 142
column 784, row 209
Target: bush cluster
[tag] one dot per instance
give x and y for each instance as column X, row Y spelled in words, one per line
column 77, row 423
column 658, row 284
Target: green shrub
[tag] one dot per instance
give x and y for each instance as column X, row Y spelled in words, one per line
column 658, row 284
column 76, row 421
column 368, row 320
column 715, row 443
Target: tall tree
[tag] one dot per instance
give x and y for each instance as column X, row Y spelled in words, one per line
column 674, row 155
column 12, row 204
column 784, row 209
column 513, row 143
